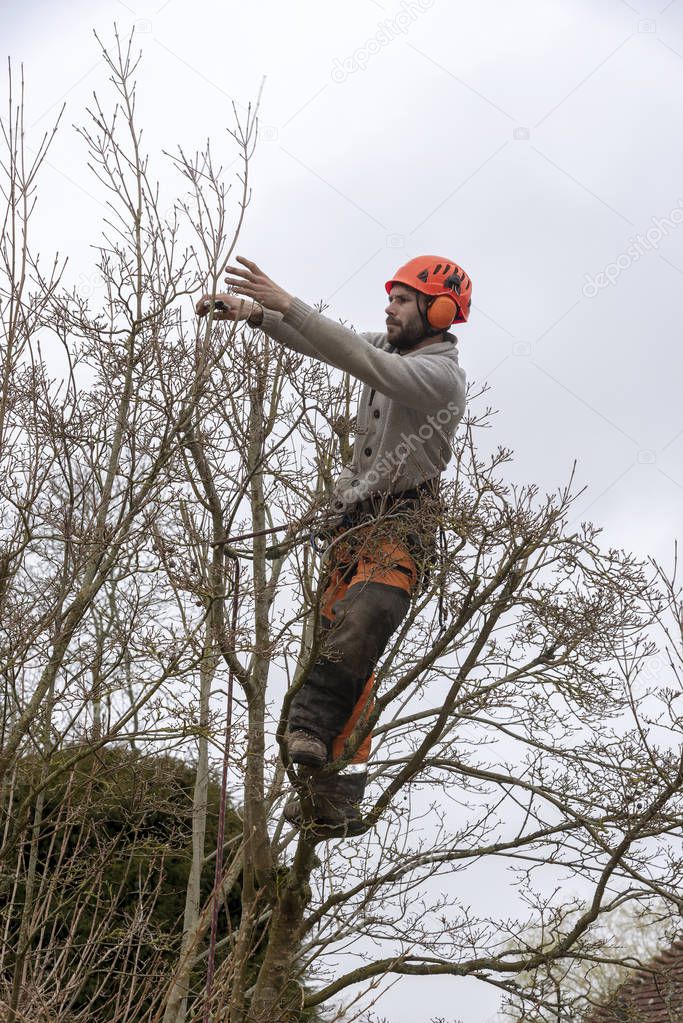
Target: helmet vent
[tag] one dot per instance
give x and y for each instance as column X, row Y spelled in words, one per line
column 454, row 282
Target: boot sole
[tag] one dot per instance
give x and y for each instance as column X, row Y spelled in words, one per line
column 307, row 759
column 320, row 828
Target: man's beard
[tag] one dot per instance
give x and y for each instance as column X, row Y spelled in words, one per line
column 408, row 336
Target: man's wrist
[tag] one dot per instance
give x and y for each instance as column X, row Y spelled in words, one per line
column 255, row 318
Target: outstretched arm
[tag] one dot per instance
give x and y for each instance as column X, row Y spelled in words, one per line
column 422, row 381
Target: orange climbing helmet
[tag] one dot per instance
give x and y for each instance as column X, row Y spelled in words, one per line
column 444, row 281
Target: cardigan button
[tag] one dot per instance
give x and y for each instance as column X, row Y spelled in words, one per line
column 367, row 451
column 376, row 413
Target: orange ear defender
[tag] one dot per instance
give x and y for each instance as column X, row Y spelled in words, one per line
column 441, row 312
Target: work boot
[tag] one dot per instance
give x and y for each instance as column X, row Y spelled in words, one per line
column 306, row 748
column 336, row 807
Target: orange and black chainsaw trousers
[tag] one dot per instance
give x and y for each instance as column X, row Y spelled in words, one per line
column 372, row 573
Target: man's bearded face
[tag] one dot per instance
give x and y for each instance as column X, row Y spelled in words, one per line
column 405, row 326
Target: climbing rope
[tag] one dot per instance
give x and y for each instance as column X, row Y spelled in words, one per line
column 309, row 518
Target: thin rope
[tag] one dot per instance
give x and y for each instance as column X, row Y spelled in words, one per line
column 308, row 518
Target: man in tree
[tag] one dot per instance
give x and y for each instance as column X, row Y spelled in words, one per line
column 411, row 403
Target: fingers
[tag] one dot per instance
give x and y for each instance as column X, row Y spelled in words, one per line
column 249, row 264
column 235, row 283
column 253, row 271
column 239, row 273
column 245, row 289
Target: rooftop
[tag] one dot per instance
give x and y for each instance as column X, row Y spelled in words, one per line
column 653, row 995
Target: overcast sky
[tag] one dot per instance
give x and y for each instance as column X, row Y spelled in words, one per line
column 538, row 144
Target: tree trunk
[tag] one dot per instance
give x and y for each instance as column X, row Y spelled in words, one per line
column 176, row 1007
column 277, row 991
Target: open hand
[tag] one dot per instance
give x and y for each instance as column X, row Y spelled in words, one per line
column 253, row 283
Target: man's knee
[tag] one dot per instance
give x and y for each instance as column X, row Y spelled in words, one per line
column 364, row 622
